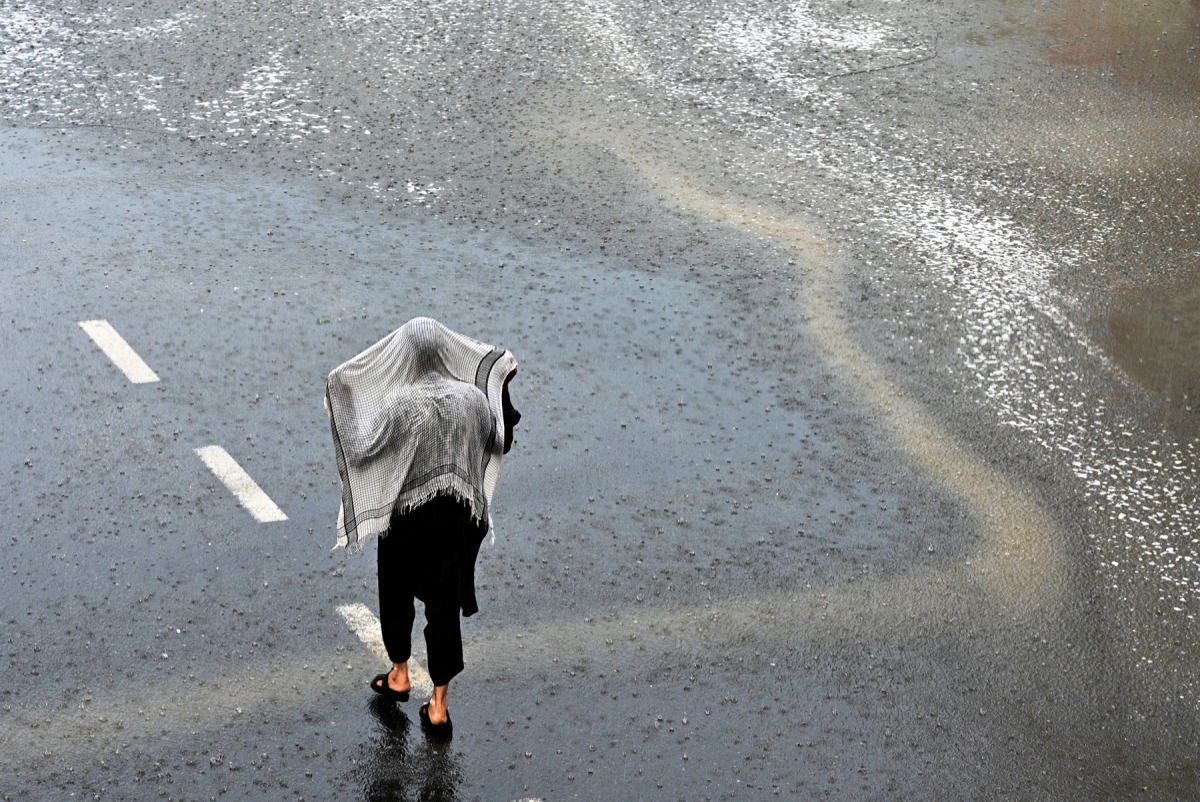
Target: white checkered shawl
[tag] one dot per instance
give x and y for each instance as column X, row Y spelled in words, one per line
column 417, row 415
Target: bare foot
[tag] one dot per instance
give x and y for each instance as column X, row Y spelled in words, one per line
column 398, row 678
column 438, row 710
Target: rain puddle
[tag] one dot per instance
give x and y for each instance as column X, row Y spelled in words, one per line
column 1155, row 337
column 1152, row 46
column 1152, row 43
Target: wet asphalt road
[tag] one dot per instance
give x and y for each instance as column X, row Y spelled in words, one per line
column 858, row 457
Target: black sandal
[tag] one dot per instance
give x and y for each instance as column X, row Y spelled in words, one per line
column 443, row 730
column 381, row 687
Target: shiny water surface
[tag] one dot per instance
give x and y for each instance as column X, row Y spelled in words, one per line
column 861, row 344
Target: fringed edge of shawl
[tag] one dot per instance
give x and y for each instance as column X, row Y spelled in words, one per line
column 446, row 485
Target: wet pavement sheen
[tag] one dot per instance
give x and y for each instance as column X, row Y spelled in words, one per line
column 858, row 366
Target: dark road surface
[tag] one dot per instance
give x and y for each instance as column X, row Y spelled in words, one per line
column 858, row 351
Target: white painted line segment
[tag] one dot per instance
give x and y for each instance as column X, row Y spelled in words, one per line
column 115, row 347
column 364, row 624
column 251, row 496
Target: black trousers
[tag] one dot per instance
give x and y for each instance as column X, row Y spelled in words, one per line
column 421, row 557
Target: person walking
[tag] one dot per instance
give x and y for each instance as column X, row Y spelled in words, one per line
column 420, row 422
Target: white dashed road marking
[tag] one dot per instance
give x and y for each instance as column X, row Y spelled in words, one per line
column 115, row 347
column 364, row 624
column 251, row 496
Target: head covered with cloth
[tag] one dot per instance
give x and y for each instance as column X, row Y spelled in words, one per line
column 419, row 414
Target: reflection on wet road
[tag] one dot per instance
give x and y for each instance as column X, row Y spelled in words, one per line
column 1025, row 352
column 1155, row 336
column 987, row 215
column 1143, row 42
column 1021, row 561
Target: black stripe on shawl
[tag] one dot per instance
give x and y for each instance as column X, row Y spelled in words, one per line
column 485, row 370
column 482, row 373
column 348, row 518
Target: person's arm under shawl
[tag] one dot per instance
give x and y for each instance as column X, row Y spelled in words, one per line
column 511, row 415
